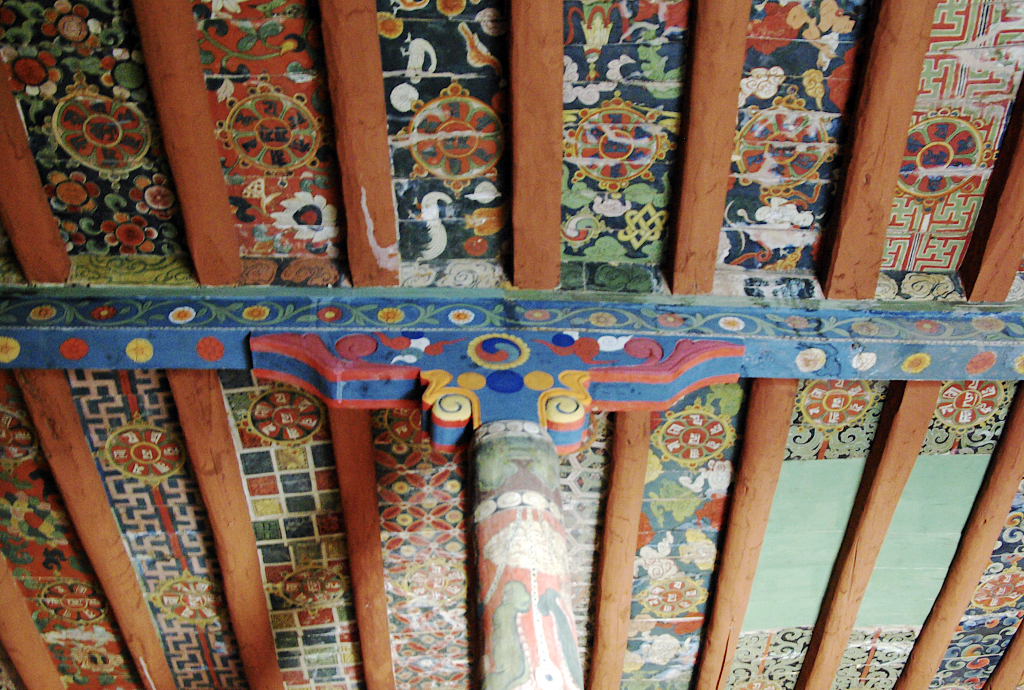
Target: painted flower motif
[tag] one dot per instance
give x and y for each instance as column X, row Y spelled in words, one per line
column 864, row 328
column 862, row 361
column 461, row 317
column 988, row 324
column 390, row 315
column 811, row 359
column 130, row 233
column 180, row 315
column 389, row 26
column 732, row 324
column 225, row 7
column 774, row 30
column 537, row 315
column 104, row 312
column 928, row 326
column 981, row 362
column 916, row 363
column 450, row 8
column 670, row 320
column 305, row 209
column 602, row 319
column 73, row 193
column 153, row 196
column 70, row 234
column 797, row 322
column 71, row 23
column 34, row 73
column 257, row 312
column 329, row 314
column 44, row 312
column 1018, row 364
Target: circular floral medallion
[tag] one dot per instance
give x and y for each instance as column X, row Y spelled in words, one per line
column 313, row 587
column 457, row 137
column 436, row 580
column 834, row 404
column 16, row 441
column 73, row 601
column 272, row 132
column 964, row 404
column 189, row 599
column 616, row 143
column 498, row 351
column 285, row 415
column 673, row 598
column 144, row 452
column 694, row 436
column 937, row 148
column 1000, row 590
column 786, row 142
column 102, row 133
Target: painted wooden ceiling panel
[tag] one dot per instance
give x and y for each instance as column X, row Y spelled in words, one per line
column 9, row 678
column 41, row 547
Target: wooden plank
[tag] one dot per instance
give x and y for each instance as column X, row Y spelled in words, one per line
column 48, row 398
column 631, row 444
column 997, row 244
column 20, row 637
column 973, row 554
column 167, row 30
column 906, row 414
column 355, row 78
column 211, row 450
column 535, row 61
column 1009, row 672
column 769, row 414
column 879, row 132
column 719, row 50
column 24, row 209
column 357, row 479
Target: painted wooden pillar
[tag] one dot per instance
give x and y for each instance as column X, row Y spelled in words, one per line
column 525, row 590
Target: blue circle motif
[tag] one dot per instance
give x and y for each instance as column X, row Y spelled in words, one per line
column 505, row 381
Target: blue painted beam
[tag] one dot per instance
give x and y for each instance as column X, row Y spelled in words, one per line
column 153, row 327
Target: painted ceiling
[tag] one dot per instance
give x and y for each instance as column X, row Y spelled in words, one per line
column 445, row 61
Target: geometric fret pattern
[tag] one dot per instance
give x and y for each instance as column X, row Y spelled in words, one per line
column 967, row 88
column 49, row 564
column 291, row 485
column 131, row 424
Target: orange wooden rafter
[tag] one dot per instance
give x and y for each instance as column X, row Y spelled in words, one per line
column 973, row 554
column 355, row 77
column 630, row 446
column 1009, row 672
column 24, row 209
column 769, row 414
column 535, row 51
column 716, row 67
column 879, row 130
column 357, row 479
column 908, row 410
column 167, row 30
column 47, row 395
column 20, row 637
column 211, row 449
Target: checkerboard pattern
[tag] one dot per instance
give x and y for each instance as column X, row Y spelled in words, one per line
column 291, row 485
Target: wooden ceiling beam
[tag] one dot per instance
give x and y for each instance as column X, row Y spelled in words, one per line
column 631, row 442
column 24, row 209
column 355, row 77
column 47, row 395
column 357, row 480
column 996, row 248
column 21, row 639
column 1010, row 671
column 707, row 141
column 973, row 554
column 211, row 450
column 882, row 119
column 535, row 57
column 906, row 414
column 167, row 31
column 769, row 414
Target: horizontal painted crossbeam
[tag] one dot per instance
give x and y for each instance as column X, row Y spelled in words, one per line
column 159, row 328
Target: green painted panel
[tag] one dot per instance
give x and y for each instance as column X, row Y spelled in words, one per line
column 809, row 515
column 922, row 539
